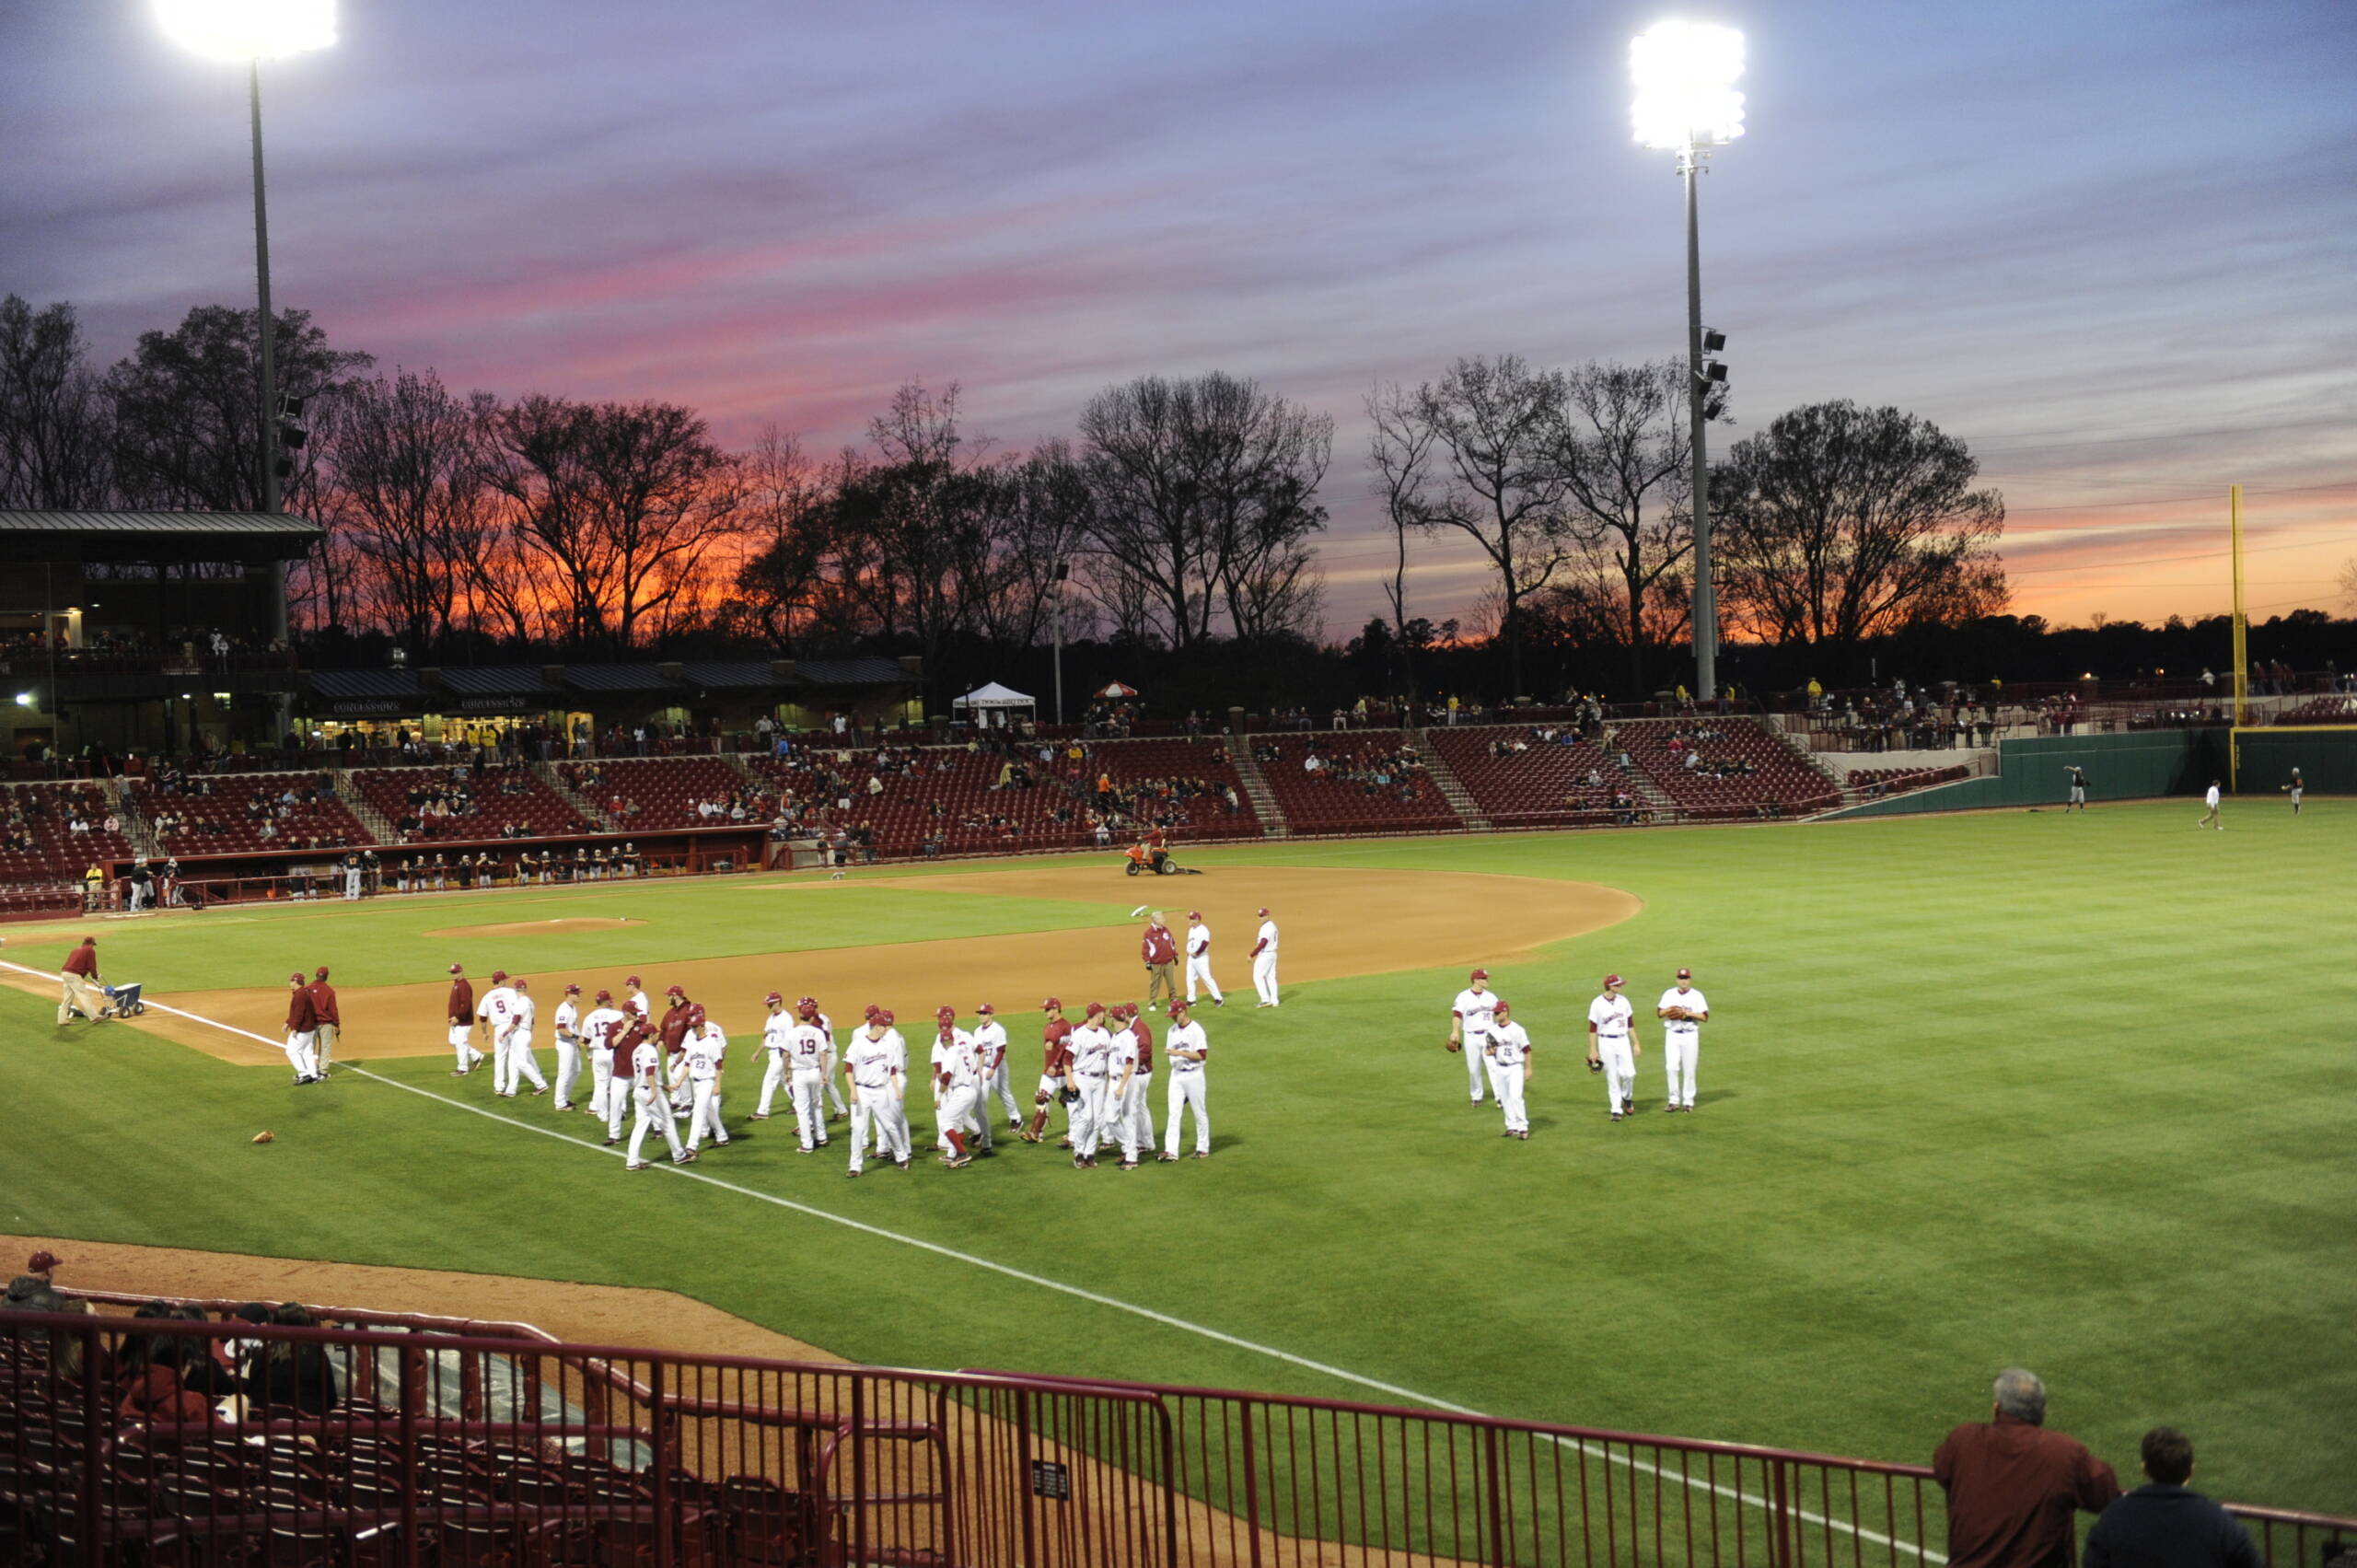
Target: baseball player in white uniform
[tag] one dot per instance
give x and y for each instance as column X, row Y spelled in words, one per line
column 1507, row 1049
column 2210, row 818
column 654, row 1104
column 777, row 1039
column 1468, row 1029
column 634, row 1001
column 990, row 1046
column 958, row 1076
column 1264, row 961
column 807, row 1050
column 877, row 1062
column 1683, row 1012
column 496, row 1009
column 516, row 1049
column 807, row 1009
column 1120, row 1083
column 1612, row 1041
column 1185, row 1050
column 601, row 1029
column 1199, row 959
column 706, row 1055
column 1091, row 1064
column 1136, row 1106
column 568, row 1047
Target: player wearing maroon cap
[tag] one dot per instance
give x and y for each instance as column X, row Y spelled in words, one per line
column 807, row 1009
column 1507, row 1049
column 654, row 1104
column 516, row 1043
column 958, row 1074
column 1683, row 1012
column 462, row 1022
column 1055, row 1072
column 1468, row 1029
column 331, row 1019
column 877, row 1062
column 674, row 1035
column 1612, row 1042
column 704, row 1056
column 496, row 1008
column 806, row 1048
column 1264, row 959
column 568, row 1025
column 1092, row 1068
column 602, row 1028
column 1187, row 1050
column 1199, row 959
column 302, row 1022
column 1160, row 949
column 1133, row 1112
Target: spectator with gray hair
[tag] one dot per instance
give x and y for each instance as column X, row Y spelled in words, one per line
column 2166, row 1524
column 2013, row 1486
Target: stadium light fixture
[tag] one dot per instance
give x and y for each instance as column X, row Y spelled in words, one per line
column 248, row 30
column 24, row 699
column 1686, row 103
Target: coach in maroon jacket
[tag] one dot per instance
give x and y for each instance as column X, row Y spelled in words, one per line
column 1160, row 950
column 2013, row 1486
column 330, row 1020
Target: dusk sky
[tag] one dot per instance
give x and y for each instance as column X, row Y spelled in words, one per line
column 2113, row 247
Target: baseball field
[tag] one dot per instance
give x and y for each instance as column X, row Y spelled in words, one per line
column 2071, row 1092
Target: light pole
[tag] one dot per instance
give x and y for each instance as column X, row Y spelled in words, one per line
column 253, row 32
column 1686, row 103
column 1056, row 618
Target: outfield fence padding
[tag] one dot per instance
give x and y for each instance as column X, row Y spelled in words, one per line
column 400, row 1445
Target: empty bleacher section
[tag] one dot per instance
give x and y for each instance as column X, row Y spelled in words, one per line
column 1719, row 768
column 897, row 800
column 1365, row 780
column 1875, row 782
column 1537, row 775
column 460, row 803
column 229, row 813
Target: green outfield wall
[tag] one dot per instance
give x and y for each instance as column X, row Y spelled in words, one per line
column 2327, row 759
column 2033, row 772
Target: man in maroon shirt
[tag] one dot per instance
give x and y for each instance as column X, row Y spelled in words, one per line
column 676, row 1021
column 2013, row 1485
column 1055, row 1072
column 81, row 977
column 330, row 1021
column 302, row 1026
column 1161, row 952
column 462, row 1021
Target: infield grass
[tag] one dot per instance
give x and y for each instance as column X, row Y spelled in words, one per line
column 2069, row 1092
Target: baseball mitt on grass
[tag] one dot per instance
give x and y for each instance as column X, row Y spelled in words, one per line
column 265, row 1136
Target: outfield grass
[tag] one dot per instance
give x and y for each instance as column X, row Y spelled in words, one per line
column 2068, row 1092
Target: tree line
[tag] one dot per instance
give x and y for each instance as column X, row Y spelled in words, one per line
column 1179, row 521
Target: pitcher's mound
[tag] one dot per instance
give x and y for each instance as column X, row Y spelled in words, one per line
column 535, row 927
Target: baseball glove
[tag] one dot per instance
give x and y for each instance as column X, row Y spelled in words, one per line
column 1452, row 1046
column 1070, row 1097
column 1594, row 1065
column 263, row 1137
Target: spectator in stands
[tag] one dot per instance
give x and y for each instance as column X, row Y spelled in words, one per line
column 291, row 1375
column 2013, row 1485
column 2166, row 1524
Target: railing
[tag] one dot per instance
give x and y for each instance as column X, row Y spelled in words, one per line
column 404, row 1442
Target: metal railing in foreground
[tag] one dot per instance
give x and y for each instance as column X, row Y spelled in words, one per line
column 401, row 1444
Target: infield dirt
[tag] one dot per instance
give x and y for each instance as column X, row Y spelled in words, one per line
column 1334, row 923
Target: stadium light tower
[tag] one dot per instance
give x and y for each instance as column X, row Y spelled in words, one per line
column 253, row 31
column 1686, row 103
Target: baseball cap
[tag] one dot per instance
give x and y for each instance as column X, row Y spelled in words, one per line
column 1612, row 980
column 457, row 969
column 499, row 974
column 1685, row 974
column 774, row 999
column 523, row 984
column 295, row 979
column 575, row 990
column 675, row 991
column 41, row 1263
column 1053, row 1005
column 945, row 1013
column 604, row 996
column 322, row 973
column 985, row 1008
column 630, row 980
column 1481, row 974
column 1504, row 1008
column 1264, row 909
column 872, row 1009
column 1092, row 1010
column 883, row 1015
column 1180, row 1004
column 695, row 1013
column 1194, row 914
column 809, row 1002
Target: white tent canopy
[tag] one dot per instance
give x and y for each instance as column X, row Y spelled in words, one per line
column 993, row 696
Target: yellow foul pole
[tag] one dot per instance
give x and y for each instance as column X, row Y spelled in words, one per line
column 2241, row 657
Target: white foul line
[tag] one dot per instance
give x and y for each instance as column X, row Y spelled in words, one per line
column 1578, row 1444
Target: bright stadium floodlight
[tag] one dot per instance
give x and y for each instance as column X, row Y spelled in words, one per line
column 248, row 30
column 1686, row 103
column 1686, row 74
column 253, row 32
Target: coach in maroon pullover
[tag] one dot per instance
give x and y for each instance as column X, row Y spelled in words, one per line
column 2013, row 1486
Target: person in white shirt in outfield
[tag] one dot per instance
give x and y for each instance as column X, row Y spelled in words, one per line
column 957, row 1078
column 602, row 1028
column 706, row 1055
column 1612, row 1043
column 1091, row 1064
column 568, row 1047
column 654, row 1104
column 516, row 1046
column 877, row 1062
column 1264, row 961
column 1507, row 1050
column 777, row 1038
column 2210, row 818
column 1468, row 1029
column 1684, row 1012
column 1199, row 959
column 1186, row 1051
column 494, row 1009
column 990, row 1051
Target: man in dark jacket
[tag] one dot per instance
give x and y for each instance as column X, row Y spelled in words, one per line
column 2167, row 1524
column 2013, row 1486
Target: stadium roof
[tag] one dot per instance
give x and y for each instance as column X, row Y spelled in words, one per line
column 615, row 677
column 849, row 672
column 365, row 683
column 491, row 679
column 743, row 673
column 160, row 523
